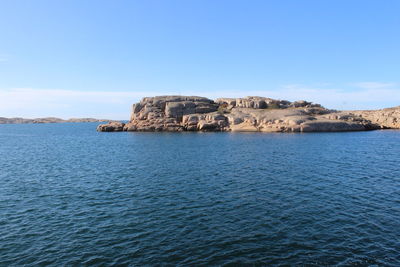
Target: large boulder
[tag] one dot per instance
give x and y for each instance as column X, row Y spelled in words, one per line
column 165, row 113
column 111, row 127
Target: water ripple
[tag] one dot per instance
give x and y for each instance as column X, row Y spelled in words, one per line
column 72, row 196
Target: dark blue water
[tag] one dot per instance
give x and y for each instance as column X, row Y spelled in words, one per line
column 72, row 196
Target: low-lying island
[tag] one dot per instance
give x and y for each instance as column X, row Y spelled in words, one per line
column 249, row 114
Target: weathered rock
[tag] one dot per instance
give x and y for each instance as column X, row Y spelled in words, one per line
column 331, row 126
column 166, row 113
column 303, row 103
column 245, row 126
column 230, row 102
column 253, row 113
column 207, row 126
column 130, row 127
column 111, row 127
column 385, row 118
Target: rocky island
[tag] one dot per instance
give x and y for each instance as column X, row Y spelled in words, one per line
column 249, row 114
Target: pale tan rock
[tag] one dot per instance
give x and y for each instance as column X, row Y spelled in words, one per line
column 272, row 128
column 244, row 127
column 330, row 126
column 253, row 113
column 385, row 118
column 130, row 127
column 111, row 127
column 207, row 126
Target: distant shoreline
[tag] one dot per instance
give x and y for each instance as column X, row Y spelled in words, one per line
column 48, row 120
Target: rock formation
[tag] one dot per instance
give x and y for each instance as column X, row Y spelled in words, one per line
column 252, row 114
column 166, row 113
column 387, row 118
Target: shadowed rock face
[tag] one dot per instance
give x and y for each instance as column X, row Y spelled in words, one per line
column 252, row 114
column 111, row 127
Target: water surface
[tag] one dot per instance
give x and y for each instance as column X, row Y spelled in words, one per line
column 70, row 196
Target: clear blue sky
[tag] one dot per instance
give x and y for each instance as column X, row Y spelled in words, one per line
column 95, row 58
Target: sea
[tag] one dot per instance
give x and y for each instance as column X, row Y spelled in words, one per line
column 71, row 196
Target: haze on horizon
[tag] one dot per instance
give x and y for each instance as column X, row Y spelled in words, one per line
column 96, row 58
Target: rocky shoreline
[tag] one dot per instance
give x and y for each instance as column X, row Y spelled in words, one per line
column 249, row 114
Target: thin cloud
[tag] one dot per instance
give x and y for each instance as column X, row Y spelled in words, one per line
column 367, row 96
column 374, row 85
column 32, row 103
column 3, row 58
column 370, row 96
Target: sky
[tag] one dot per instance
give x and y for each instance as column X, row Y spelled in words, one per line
column 96, row 58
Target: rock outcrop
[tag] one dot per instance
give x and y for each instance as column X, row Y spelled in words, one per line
column 111, row 127
column 258, row 102
column 252, row 114
column 167, row 113
column 388, row 118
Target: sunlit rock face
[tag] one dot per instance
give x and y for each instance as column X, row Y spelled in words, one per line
column 166, row 113
column 250, row 114
column 386, row 118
